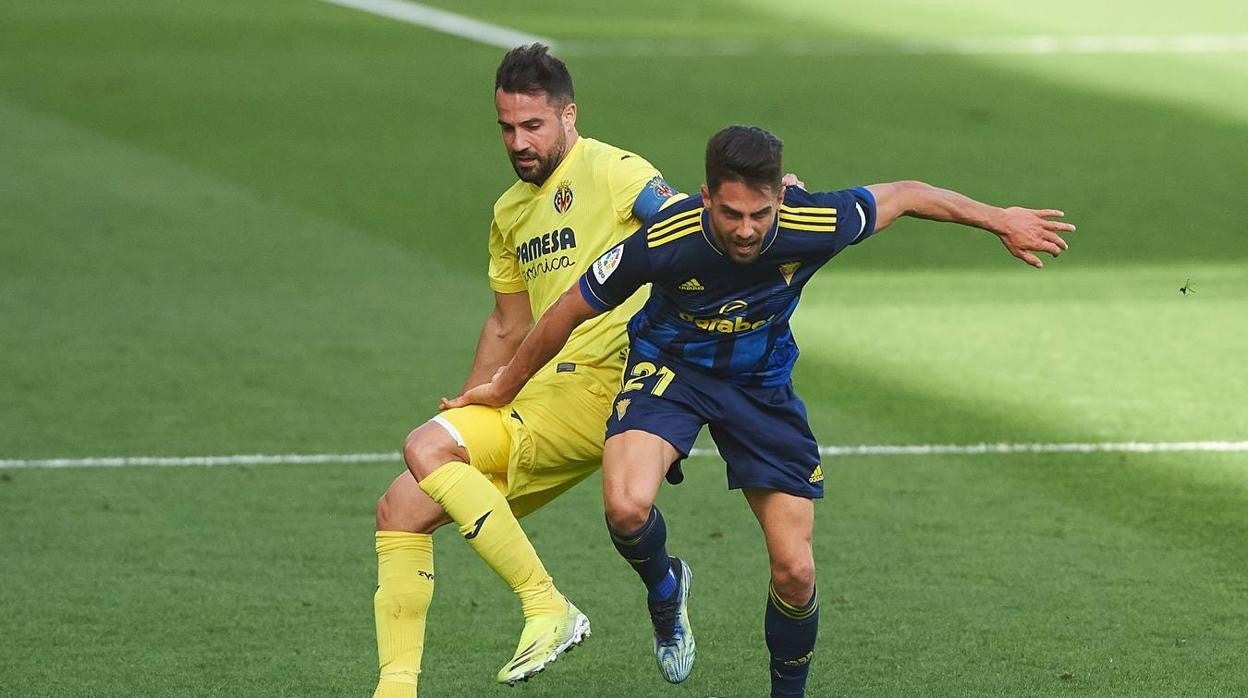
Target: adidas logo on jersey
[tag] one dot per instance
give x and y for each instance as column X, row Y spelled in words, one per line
column 691, row 285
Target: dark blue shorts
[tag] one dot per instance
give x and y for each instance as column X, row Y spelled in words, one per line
column 762, row 433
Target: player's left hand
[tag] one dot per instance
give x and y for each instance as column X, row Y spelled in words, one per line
column 489, row 394
column 791, row 180
column 1025, row 231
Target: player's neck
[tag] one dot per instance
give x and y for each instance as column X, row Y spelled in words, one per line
column 573, row 137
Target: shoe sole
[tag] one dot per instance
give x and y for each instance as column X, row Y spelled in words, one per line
column 580, row 631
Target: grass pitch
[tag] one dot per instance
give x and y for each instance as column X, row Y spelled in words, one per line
column 241, row 227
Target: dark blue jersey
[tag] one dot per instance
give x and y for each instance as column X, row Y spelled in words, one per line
column 726, row 319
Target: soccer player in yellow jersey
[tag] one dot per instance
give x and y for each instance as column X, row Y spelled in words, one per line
column 483, row 467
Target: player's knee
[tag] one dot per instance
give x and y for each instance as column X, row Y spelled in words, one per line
column 794, row 580
column 626, row 513
column 421, row 455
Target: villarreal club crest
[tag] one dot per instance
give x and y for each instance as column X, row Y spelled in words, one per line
column 563, row 197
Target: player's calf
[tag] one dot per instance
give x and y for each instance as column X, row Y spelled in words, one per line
column 645, row 549
column 791, row 629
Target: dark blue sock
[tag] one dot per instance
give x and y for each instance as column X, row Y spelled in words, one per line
column 646, row 550
column 791, row 633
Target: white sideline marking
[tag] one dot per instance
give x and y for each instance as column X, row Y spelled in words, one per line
column 202, row 461
column 829, row 451
column 982, row 449
column 443, row 21
column 1016, row 45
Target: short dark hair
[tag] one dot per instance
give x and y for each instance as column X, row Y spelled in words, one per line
column 746, row 154
column 532, row 70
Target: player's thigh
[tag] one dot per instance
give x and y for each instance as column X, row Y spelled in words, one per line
column 563, row 413
column 481, row 432
column 545, row 442
column 647, row 436
column 633, row 465
column 556, row 430
column 474, row 435
column 406, row 507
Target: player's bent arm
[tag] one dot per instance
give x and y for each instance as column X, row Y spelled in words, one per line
column 501, row 335
column 537, row 349
column 1023, row 231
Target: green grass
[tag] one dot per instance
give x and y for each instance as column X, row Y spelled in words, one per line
column 241, row 227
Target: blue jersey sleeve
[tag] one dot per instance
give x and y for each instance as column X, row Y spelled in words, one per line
column 864, row 206
column 852, row 217
column 651, row 198
column 618, row 273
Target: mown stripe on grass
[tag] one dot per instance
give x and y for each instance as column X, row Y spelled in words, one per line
column 1038, row 45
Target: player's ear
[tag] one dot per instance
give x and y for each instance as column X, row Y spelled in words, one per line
column 569, row 115
column 706, row 197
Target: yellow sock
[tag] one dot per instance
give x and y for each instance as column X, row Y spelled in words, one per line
column 491, row 529
column 404, row 590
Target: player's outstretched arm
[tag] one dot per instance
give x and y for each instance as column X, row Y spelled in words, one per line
column 539, row 347
column 1023, row 231
column 501, row 334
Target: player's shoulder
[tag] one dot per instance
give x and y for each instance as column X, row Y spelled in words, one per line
column 819, row 211
column 674, row 225
column 596, row 150
column 607, row 160
column 796, row 197
column 680, row 207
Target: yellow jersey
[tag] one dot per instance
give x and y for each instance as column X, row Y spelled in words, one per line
column 543, row 238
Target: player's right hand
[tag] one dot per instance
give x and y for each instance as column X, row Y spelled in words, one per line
column 489, row 394
column 1025, row 231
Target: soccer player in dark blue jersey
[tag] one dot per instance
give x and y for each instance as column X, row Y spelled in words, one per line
column 712, row 346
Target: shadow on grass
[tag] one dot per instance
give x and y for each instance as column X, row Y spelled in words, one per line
column 390, row 128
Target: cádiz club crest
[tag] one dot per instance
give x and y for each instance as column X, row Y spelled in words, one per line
column 563, row 197
column 787, row 270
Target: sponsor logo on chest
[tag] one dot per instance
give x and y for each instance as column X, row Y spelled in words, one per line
column 730, row 320
column 545, row 253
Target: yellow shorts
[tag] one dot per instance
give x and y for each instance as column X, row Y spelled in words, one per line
column 547, row 440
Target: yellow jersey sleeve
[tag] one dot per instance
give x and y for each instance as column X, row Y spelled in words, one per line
column 626, row 176
column 505, row 274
